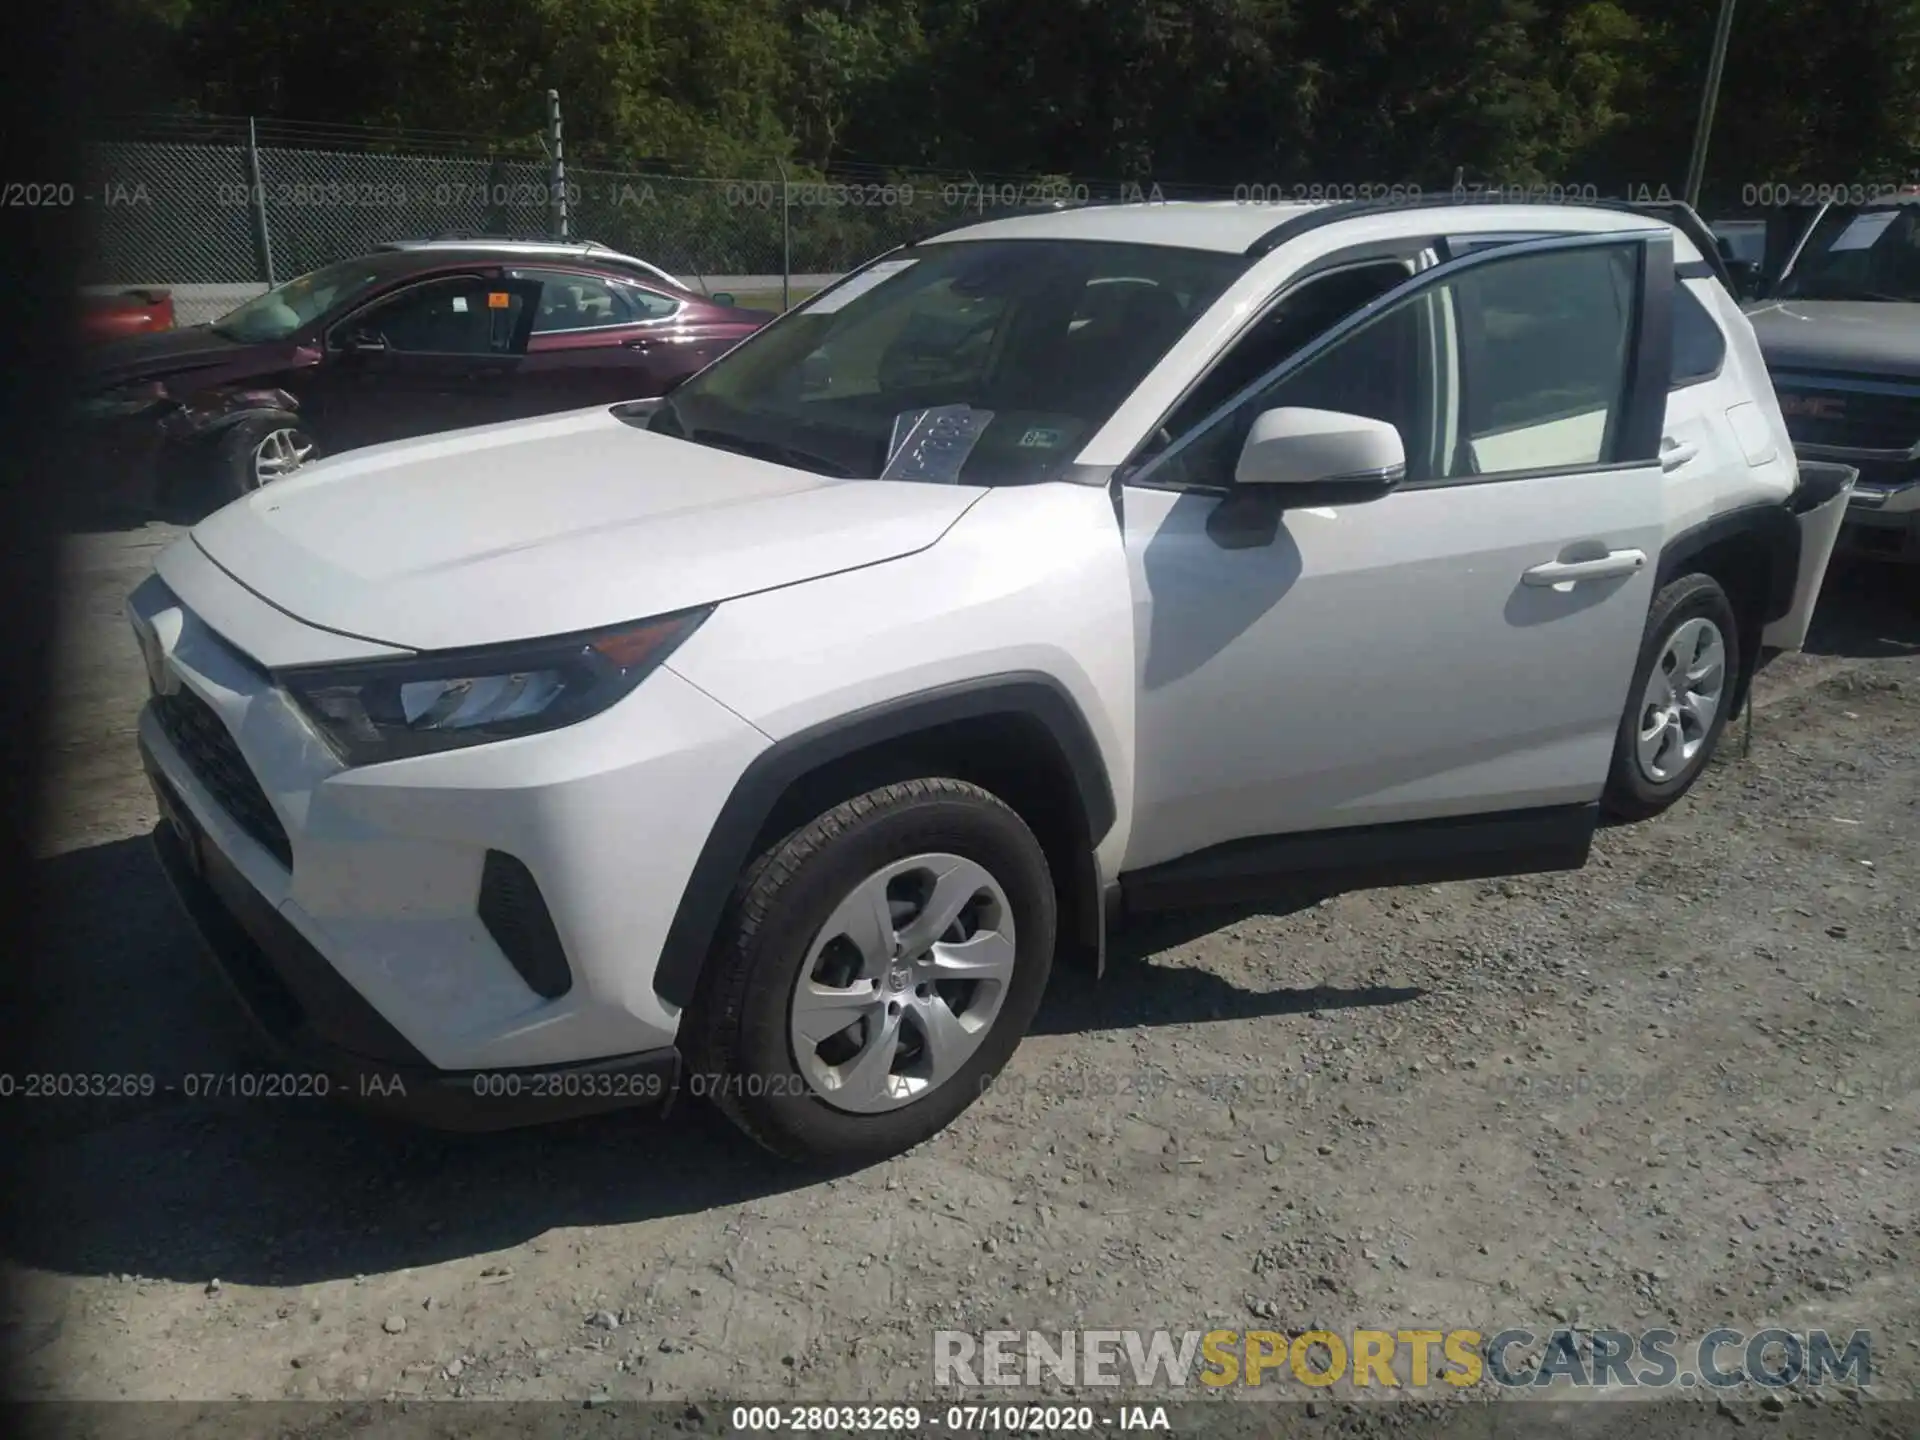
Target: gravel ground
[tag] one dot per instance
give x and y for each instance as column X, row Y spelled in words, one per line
column 1679, row 1087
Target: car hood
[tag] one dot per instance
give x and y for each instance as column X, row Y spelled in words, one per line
column 1875, row 336
column 545, row 527
column 159, row 354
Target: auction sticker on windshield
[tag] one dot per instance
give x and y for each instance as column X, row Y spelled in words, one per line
column 841, row 295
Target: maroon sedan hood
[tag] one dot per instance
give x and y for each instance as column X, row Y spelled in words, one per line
column 164, row 353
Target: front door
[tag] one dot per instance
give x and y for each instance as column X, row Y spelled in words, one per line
column 438, row 355
column 1463, row 646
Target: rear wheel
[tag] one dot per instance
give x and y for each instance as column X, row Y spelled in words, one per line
column 1680, row 701
column 877, row 969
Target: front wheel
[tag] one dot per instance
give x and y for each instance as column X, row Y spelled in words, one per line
column 877, row 969
column 259, row 451
column 1681, row 698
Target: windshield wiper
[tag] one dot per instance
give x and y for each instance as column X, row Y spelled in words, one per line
column 769, row 450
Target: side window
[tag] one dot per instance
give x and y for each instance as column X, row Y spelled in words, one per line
column 1699, row 347
column 1544, row 345
column 571, row 300
column 467, row 316
column 644, row 304
column 1517, row 365
column 1293, row 321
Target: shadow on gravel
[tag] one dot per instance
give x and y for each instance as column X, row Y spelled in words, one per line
column 285, row 1191
column 1868, row 611
column 290, row 1192
column 1135, row 993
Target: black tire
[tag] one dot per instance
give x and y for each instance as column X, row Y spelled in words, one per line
column 1631, row 794
column 232, row 458
column 736, row 1032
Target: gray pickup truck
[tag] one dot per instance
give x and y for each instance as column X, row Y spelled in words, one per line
column 1840, row 329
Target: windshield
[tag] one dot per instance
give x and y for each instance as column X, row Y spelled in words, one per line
column 1859, row 254
column 289, row 308
column 986, row 362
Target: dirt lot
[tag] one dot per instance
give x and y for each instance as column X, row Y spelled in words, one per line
column 1680, row 1086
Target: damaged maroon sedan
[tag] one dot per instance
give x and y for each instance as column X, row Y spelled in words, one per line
column 406, row 341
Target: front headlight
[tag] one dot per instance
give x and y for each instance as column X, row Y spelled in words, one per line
column 390, row 709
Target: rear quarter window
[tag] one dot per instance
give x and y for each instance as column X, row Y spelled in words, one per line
column 1699, row 347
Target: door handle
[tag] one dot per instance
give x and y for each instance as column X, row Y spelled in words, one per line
column 1604, row 567
column 1675, row 453
column 639, row 344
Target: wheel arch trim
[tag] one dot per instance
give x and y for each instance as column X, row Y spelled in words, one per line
column 727, row 850
column 1773, row 528
column 1771, row 524
column 203, row 416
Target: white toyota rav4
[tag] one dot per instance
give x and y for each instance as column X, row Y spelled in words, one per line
column 768, row 740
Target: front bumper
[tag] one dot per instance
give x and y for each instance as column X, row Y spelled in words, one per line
column 368, row 889
column 324, row 1030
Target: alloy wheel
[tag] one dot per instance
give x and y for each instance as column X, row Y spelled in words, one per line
column 279, row 454
column 902, row 983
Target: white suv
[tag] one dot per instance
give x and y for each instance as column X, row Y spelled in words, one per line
column 766, row 741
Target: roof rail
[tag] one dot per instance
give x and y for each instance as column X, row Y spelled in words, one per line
column 1008, row 212
column 481, row 237
column 1681, row 216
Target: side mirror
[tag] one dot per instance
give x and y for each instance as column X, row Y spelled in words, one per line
column 721, row 297
column 1308, row 458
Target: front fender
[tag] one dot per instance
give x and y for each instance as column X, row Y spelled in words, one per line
column 214, row 412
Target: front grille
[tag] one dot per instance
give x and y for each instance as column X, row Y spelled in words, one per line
column 1821, row 412
column 516, row 915
column 205, row 743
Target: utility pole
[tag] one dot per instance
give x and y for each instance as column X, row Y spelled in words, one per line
column 557, row 199
column 1697, row 164
column 262, row 237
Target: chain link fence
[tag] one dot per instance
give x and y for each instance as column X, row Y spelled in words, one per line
column 217, row 219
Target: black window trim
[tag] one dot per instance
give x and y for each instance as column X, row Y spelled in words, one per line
column 490, row 277
column 1644, row 386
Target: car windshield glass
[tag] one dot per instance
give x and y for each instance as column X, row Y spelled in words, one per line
column 291, row 307
column 1870, row 253
column 979, row 362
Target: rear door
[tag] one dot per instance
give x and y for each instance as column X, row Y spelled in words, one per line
column 1460, row 650
column 599, row 339
column 436, row 355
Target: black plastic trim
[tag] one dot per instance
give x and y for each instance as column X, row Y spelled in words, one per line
column 1777, row 528
column 318, row 1025
column 729, row 844
column 1774, row 524
column 1643, row 415
column 1323, row 862
column 283, row 982
column 516, row 916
